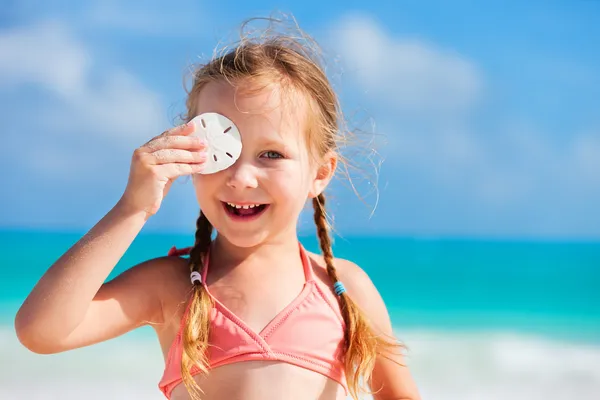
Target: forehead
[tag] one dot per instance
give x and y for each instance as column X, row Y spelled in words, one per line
column 258, row 112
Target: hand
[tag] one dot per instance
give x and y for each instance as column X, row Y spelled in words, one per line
column 158, row 163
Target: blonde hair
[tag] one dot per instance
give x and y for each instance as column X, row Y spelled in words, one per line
column 289, row 62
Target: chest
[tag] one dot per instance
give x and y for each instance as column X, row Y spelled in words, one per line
column 257, row 298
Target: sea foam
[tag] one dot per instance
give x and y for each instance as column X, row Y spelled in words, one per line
column 446, row 366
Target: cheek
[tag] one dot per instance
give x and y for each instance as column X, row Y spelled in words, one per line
column 204, row 185
column 293, row 186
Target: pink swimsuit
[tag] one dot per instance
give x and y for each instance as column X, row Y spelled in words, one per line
column 308, row 333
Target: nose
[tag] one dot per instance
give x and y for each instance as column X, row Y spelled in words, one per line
column 242, row 175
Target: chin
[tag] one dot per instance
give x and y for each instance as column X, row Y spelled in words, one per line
column 243, row 239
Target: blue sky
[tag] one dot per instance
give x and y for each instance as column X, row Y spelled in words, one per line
column 490, row 113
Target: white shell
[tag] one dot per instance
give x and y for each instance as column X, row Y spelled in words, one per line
column 224, row 143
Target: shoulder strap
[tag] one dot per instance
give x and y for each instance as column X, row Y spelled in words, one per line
column 174, row 251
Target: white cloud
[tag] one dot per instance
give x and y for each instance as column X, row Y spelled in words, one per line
column 151, row 17
column 411, row 74
column 513, row 166
column 43, row 54
column 426, row 95
column 537, row 169
column 87, row 109
column 175, row 18
column 585, row 150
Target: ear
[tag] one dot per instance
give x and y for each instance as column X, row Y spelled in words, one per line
column 324, row 174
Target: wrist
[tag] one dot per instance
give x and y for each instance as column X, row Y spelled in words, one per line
column 124, row 209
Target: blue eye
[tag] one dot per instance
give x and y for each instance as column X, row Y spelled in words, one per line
column 271, row 155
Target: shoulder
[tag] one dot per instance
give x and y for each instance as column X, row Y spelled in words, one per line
column 170, row 275
column 157, row 272
column 165, row 280
column 355, row 279
column 359, row 287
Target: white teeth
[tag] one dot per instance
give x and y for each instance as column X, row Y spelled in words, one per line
column 244, row 206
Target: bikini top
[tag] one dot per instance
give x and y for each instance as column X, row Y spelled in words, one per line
column 308, row 333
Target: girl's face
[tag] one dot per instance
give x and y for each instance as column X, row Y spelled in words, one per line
column 275, row 173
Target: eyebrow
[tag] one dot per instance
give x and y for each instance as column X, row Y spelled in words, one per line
column 271, row 142
column 280, row 145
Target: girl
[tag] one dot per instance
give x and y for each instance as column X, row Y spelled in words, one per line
column 251, row 314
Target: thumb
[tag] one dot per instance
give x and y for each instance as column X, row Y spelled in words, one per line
column 167, row 187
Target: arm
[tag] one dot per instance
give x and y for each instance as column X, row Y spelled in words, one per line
column 71, row 307
column 390, row 379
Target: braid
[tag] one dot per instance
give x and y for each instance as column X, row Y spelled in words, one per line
column 196, row 331
column 203, row 238
column 361, row 344
column 323, row 233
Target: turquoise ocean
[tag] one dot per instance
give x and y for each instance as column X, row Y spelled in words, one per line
column 482, row 319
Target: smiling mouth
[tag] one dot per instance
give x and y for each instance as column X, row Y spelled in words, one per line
column 246, row 211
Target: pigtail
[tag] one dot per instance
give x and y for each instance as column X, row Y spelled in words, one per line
column 196, row 331
column 362, row 345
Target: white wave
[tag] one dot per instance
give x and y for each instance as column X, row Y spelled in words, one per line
column 501, row 366
column 446, row 366
column 128, row 367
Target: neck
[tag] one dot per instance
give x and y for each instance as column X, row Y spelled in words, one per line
column 226, row 254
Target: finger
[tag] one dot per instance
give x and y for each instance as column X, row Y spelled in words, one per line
column 174, row 142
column 174, row 170
column 184, row 129
column 168, row 156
